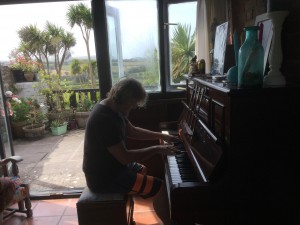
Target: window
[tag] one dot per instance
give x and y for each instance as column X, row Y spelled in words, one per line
column 36, row 169
column 148, row 40
column 133, row 41
column 181, row 27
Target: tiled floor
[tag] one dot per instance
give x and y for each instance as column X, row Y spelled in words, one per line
column 63, row 212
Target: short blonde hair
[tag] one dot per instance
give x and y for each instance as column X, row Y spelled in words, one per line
column 128, row 89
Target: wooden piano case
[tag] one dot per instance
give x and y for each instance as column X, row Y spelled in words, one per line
column 257, row 177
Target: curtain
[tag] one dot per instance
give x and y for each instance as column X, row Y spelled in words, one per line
column 202, row 36
column 207, row 10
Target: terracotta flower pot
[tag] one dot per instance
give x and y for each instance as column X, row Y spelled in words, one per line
column 29, row 76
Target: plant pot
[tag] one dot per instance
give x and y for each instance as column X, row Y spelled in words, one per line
column 59, row 130
column 17, row 130
column 81, row 118
column 72, row 124
column 34, row 132
column 18, row 76
column 29, row 76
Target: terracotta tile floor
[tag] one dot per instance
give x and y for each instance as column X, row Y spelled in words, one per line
column 63, row 212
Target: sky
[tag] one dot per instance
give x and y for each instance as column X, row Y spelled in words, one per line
column 139, row 31
column 137, row 35
column 14, row 17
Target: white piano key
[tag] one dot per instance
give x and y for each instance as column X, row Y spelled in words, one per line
column 175, row 174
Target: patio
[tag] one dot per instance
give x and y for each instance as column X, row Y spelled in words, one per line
column 53, row 164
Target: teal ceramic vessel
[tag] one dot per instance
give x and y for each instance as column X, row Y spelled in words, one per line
column 232, row 75
column 251, row 60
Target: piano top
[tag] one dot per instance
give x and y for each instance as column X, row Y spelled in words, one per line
column 231, row 88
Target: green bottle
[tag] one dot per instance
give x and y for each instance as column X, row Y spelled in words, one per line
column 251, row 60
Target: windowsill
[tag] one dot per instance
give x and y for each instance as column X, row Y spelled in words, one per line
column 167, row 95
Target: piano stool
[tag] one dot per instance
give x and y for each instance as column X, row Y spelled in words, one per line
column 104, row 208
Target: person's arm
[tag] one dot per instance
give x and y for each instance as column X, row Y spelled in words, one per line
column 125, row 156
column 144, row 134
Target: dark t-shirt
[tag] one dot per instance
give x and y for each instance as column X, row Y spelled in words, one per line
column 104, row 128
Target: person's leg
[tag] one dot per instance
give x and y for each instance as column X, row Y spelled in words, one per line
column 153, row 189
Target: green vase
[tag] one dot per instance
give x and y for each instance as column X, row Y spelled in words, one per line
column 251, row 60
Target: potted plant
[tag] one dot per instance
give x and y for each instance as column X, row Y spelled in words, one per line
column 83, row 110
column 36, row 127
column 23, row 67
column 58, row 127
column 31, row 67
column 54, row 88
column 19, row 111
column 17, row 70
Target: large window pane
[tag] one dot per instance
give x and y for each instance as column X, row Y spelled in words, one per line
column 181, row 39
column 133, row 41
column 41, row 158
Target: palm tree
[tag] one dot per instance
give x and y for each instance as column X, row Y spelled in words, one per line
column 183, row 50
column 53, row 40
column 81, row 16
column 35, row 43
column 76, row 69
column 61, row 42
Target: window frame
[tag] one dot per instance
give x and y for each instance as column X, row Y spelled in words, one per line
column 102, row 50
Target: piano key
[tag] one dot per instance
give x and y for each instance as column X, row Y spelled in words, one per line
column 174, row 172
column 181, row 169
column 180, row 166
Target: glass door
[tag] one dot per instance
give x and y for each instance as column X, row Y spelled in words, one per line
column 115, row 46
column 151, row 41
column 181, row 38
column 6, row 147
column 133, row 41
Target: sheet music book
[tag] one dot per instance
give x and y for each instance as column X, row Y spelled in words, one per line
column 219, row 50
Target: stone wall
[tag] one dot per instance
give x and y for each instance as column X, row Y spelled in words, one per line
column 7, row 78
column 243, row 13
column 27, row 90
column 23, row 89
column 291, row 43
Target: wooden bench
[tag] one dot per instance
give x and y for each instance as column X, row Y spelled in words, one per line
column 104, row 209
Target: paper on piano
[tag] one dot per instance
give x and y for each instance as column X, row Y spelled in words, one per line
column 164, row 132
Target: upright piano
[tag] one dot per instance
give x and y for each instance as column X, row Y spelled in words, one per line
column 238, row 162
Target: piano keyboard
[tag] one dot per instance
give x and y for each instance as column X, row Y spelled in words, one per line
column 181, row 169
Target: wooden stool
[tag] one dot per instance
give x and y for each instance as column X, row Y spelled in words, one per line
column 104, row 209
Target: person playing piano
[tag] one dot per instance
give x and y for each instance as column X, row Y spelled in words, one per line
column 110, row 167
